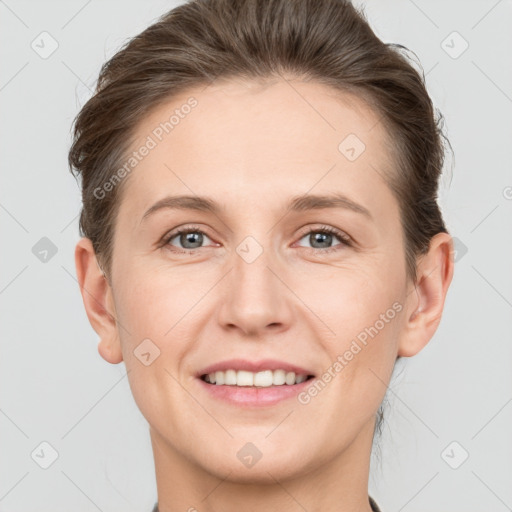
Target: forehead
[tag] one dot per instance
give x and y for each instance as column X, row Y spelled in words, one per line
column 252, row 143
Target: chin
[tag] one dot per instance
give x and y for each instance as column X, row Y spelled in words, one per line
column 257, row 462
column 263, row 472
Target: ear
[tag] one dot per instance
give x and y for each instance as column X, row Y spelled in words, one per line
column 425, row 301
column 98, row 301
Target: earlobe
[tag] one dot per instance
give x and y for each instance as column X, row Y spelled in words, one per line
column 98, row 301
column 425, row 304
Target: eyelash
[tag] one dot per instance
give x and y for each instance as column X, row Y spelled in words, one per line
column 344, row 239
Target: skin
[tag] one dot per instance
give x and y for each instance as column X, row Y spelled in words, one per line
column 252, row 148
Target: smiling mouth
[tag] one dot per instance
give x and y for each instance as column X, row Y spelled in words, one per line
column 263, row 379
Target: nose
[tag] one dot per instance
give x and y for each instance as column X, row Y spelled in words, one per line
column 255, row 298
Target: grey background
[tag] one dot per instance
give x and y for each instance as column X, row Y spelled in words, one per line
column 54, row 386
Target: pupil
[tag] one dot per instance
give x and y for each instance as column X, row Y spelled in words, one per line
column 322, row 238
column 189, row 237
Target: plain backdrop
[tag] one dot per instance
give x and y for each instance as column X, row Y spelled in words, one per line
column 447, row 443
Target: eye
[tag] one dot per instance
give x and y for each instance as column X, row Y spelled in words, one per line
column 322, row 238
column 189, row 237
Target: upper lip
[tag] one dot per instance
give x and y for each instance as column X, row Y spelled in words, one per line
column 254, row 366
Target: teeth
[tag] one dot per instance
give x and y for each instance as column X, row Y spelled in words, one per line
column 262, row 379
column 300, row 378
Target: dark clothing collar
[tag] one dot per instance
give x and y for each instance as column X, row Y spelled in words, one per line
column 375, row 507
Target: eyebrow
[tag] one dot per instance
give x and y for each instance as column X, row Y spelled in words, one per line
column 298, row 204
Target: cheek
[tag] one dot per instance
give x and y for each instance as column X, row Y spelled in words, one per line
column 154, row 338
column 151, row 300
column 348, row 300
column 362, row 354
column 362, row 313
column 145, row 315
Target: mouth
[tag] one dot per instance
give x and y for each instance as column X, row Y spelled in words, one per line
column 261, row 379
column 247, row 384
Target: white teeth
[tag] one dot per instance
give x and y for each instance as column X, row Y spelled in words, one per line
column 230, row 377
column 264, row 379
column 243, row 378
column 300, row 378
column 278, row 377
column 290, row 378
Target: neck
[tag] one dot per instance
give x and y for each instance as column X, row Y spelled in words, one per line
column 338, row 484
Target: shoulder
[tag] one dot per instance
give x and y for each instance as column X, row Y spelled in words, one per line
column 373, row 504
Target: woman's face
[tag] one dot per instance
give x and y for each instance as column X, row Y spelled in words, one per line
column 265, row 170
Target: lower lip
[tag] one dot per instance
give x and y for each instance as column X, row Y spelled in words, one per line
column 246, row 396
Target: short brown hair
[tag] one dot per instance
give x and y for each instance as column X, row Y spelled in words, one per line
column 328, row 41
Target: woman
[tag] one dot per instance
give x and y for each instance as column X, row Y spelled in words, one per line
column 261, row 243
